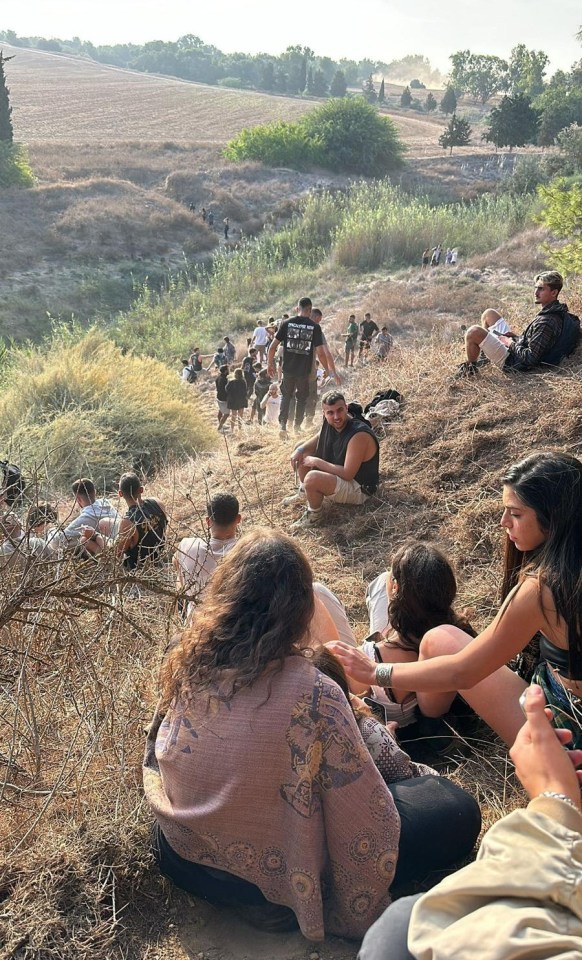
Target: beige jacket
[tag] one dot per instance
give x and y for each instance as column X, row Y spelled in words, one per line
column 522, row 898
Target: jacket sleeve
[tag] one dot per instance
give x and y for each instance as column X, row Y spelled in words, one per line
column 542, row 333
column 524, row 889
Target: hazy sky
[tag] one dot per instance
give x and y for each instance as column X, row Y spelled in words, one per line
column 379, row 29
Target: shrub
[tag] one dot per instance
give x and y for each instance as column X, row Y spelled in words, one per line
column 81, row 406
column 354, row 137
column 562, row 214
column 15, row 170
column 345, row 134
column 278, row 144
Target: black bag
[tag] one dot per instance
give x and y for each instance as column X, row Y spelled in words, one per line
column 13, row 484
column 384, row 395
column 191, row 376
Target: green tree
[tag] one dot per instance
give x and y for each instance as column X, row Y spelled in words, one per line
column 526, row 71
column 513, row 123
column 267, row 76
column 355, row 137
column 448, row 103
column 369, row 90
column 417, row 84
column 319, row 85
column 561, row 213
column 382, row 93
column 405, row 97
column 309, row 81
column 430, row 103
column 277, row 144
column 481, row 75
column 560, row 105
column 570, row 143
column 456, row 134
column 339, row 87
column 6, row 131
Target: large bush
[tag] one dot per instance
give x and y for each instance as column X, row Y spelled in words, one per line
column 82, row 407
column 278, row 144
column 562, row 214
column 344, row 134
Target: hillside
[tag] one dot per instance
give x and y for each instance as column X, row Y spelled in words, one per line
column 120, row 155
column 82, row 885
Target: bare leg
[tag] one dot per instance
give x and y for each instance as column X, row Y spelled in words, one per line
column 489, row 318
column 317, row 486
column 495, row 699
column 474, row 337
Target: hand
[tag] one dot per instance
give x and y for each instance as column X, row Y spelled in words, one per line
column 297, row 457
column 271, row 371
column 540, row 761
column 356, row 664
column 312, row 463
column 338, row 379
column 506, row 341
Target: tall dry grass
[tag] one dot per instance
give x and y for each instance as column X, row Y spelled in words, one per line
column 81, row 406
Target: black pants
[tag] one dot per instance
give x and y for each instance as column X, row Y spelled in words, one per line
column 387, row 938
column 297, row 387
column 439, row 825
column 217, row 886
column 311, row 404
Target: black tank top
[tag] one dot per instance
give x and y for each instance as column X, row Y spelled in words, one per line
column 150, row 522
column 332, row 446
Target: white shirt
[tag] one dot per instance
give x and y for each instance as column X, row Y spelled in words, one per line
column 272, row 406
column 198, row 559
column 260, row 336
column 89, row 516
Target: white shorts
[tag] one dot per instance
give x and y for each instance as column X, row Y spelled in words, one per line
column 348, row 491
column 494, row 350
column 222, row 406
column 500, row 326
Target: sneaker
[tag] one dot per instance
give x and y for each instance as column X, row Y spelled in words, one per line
column 294, row 498
column 311, row 518
column 482, row 361
column 465, row 370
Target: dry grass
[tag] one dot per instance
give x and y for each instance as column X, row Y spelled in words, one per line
column 78, row 663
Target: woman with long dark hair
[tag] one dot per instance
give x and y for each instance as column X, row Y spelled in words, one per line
column 542, row 593
column 262, row 789
column 416, row 594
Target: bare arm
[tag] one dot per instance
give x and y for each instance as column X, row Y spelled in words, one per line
column 127, row 536
column 513, row 627
column 271, row 356
column 361, row 447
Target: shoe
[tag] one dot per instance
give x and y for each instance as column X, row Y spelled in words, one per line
column 311, row 518
column 297, row 428
column 465, row 370
column 282, row 433
column 294, row 498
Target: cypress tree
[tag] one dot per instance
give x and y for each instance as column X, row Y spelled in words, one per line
column 6, row 132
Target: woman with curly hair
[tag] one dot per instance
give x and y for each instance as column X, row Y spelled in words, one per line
column 263, row 792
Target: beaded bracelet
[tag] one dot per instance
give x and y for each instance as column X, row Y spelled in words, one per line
column 560, row 796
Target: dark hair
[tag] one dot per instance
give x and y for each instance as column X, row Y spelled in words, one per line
column 129, row 484
column 224, row 369
column 551, row 484
column 552, row 279
column 257, row 611
column 325, row 661
column 331, row 397
column 84, row 488
column 223, row 509
column 40, row 513
column 226, row 339
column 317, row 312
column 238, row 374
column 426, row 592
column 304, row 302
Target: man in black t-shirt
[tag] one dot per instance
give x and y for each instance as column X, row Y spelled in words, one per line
column 300, row 338
column 368, row 328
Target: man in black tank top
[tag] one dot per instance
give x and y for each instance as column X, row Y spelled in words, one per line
column 340, row 463
column 142, row 534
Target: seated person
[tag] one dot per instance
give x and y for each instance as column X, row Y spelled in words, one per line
column 195, row 560
column 551, row 335
column 92, row 511
column 340, row 463
column 18, row 545
column 383, row 343
column 270, row 825
column 522, row 897
column 439, row 821
column 41, row 521
column 416, row 594
column 142, row 532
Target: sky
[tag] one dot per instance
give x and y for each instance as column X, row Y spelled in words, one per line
column 377, row 29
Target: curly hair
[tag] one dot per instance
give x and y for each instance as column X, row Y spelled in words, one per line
column 256, row 611
column 426, row 592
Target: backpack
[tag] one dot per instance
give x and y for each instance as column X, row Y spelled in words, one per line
column 566, row 342
column 13, row 484
column 384, row 395
column 192, row 376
